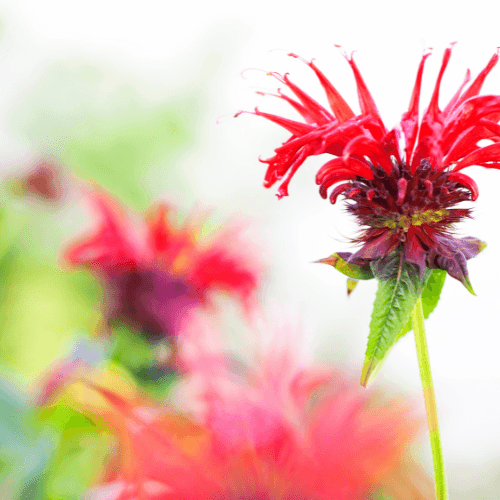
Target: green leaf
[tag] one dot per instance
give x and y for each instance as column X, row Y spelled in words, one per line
column 354, row 271
column 25, row 446
column 430, row 297
column 82, row 450
column 140, row 358
column 400, row 286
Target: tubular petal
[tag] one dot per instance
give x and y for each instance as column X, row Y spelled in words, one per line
column 466, row 142
column 434, row 104
column 333, row 178
column 409, row 121
column 366, row 146
column 431, row 130
column 402, row 183
column 357, row 167
column 481, row 157
column 295, row 128
column 337, row 190
column 366, row 102
column 339, row 107
column 283, row 189
column 320, row 114
column 295, row 104
column 428, row 185
column 466, row 181
column 454, row 100
column 477, row 84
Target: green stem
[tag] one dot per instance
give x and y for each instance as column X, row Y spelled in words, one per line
column 417, row 317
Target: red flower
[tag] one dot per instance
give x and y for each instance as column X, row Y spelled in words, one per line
column 153, row 279
column 280, row 434
column 403, row 196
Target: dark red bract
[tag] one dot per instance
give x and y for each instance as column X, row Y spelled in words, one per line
column 400, row 184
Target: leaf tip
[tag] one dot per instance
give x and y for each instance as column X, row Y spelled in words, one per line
column 351, row 285
column 369, row 372
column 468, row 285
column 331, row 260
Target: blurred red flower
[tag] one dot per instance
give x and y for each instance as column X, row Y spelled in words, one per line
column 43, row 181
column 154, row 277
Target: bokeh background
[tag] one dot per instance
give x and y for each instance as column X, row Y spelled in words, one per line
column 140, row 97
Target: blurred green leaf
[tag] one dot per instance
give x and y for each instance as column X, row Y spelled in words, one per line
column 82, row 451
column 25, row 447
column 41, row 307
column 139, row 357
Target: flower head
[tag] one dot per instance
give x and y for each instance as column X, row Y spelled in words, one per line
column 402, row 185
column 152, row 278
column 281, row 432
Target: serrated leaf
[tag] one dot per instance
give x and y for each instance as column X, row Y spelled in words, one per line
column 430, row 297
column 350, row 269
column 400, row 286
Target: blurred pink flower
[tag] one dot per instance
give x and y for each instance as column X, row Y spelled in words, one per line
column 279, row 432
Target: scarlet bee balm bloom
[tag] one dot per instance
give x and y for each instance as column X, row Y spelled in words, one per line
column 402, row 185
column 152, row 279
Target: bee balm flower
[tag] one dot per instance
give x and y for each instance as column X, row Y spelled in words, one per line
column 155, row 276
column 402, row 185
column 315, row 437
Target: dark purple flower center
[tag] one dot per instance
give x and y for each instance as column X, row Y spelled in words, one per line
column 401, row 200
column 151, row 300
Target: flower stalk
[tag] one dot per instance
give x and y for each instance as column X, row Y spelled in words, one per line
column 430, row 401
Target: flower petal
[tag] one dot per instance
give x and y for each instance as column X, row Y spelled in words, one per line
column 430, row 135
column 110, row 248
column 366, row 146
column 318, row 113
column 409, row 120
column 488, row 157
column 339, row 107
column 295, row 128
column 466, row 181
